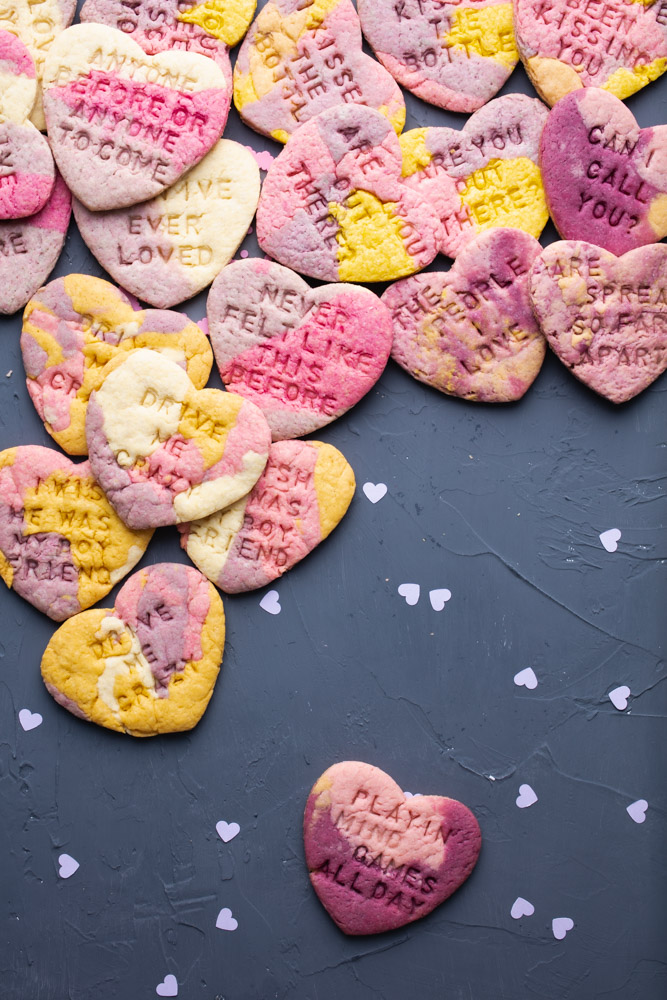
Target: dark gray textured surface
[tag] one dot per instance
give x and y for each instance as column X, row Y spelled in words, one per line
column 503, row 506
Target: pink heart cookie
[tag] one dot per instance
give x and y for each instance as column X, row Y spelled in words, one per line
column 613, row 44
column 455, row 55
column 334, row 204
column 299, row 59
column 604, row 177
column 378, row 860
column 29, row 248
column 470, row 331
column 298, row 500
column 124, row 125
column 483, row 176
column 604, row 316
column 304, row 356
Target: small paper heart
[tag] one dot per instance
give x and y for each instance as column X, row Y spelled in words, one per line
column 374, row 491
column 526, row 797
column 619, row 697
column 68, row 865
column 560, row 926
column 410, row 591
column 29, row 720
column 168, row 987
column 521, row 908
column 610, row 539
column 270, row 603
column 637, row 810
column 225, row 921
column 227, row 831
column 439, row 598
column 526, row 678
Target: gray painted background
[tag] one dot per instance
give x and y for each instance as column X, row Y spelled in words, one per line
column 502, row 505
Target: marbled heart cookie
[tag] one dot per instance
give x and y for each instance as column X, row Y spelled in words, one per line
column 18, row 79
column 334, row 204
column 605, row 178
column 298, row 500
column 301, row 57
column 378, row 860
column 604, row 316
column 619, row 45
column 29, row 248
column 455, row 55
column 470, row 331
column 486, row 175
column 37, row 25
column 149, row 664
column 62, row 546
column 123, row 125
column 73, row 327
column 165, row 452
column 167, row 249
column 303, row 355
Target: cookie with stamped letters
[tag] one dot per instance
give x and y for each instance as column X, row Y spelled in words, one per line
column 301, row 57
column 377, row 859
column 298, row 500
column 304, row 356
column 605, row 177
column 165, row 452
column 470, row 331
column 62, row 546
column 334, row 204
column 605, row 317
column 124, row 125
column 73, row 327
column 149, row 664
column 483, row 176
column 167, row 249
column 454, row 55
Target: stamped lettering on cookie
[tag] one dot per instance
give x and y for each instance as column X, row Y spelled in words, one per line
column 168, row 249
column 483, row 176
column 298, row 500
column 619, row 45
column 62, row 547
column 124, row 125
column 149, row 664
column 455, row 55
column 604, row 316
column 301, row 57
column 165, row 452
column 377, row 859
column 470, row 331
column 303, row 355
column 73, row 327
column 334, row 204
column 605, row 178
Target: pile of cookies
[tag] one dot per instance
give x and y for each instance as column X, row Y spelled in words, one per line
column 134, row 107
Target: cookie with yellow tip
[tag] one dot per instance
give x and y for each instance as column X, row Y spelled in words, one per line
column 149, row 664
column 470, row 331
column 62, row 545
column 74, row 326
column 302, row 495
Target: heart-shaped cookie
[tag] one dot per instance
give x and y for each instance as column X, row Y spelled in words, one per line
column 303, row 355
column 604, row 316
column 455, row 55
column 73, row 327
column 298, row 500
column 29, row 248
column 377, row 859
column 615, row 45
column 124, row 125
column 167, row 249
column 165, row 452
column 19, row 80
column 486, row 175
column 299, row 59
column 149, row 664
column 37, row 25
column 470, row 331
column 62, row 547
column 604, row 177
column 334, row 204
